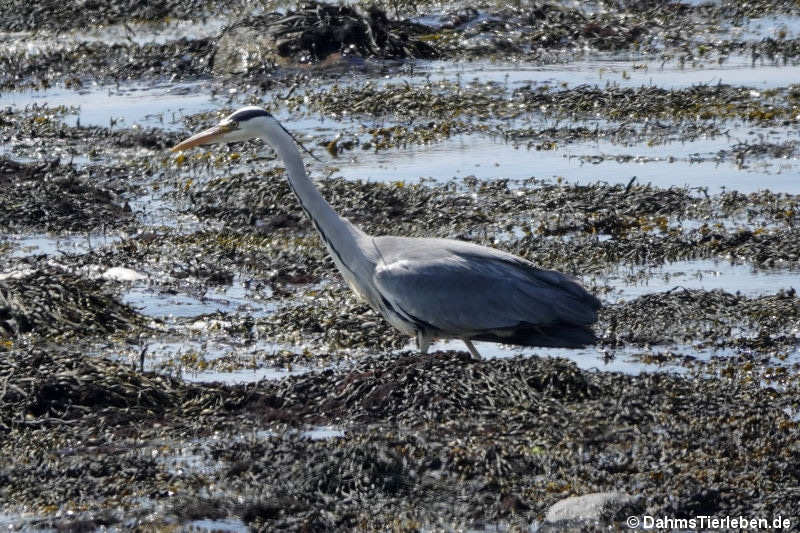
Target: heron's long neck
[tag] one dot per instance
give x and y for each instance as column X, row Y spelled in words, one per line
column 341, row 237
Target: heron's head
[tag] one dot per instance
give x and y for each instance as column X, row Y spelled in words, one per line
column 244, row 124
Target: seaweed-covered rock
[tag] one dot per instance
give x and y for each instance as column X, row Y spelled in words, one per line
column 313, row 33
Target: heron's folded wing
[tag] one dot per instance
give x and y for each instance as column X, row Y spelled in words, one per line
column 471, row 288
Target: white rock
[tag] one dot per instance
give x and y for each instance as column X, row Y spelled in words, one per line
column 122, row 274
column 589, row 507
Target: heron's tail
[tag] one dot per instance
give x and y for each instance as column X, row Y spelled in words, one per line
column 552, row 336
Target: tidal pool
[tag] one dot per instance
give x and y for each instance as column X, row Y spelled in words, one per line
column 55, row 245
column 160, row 105
column 707, row 274
column 629, row 71
column 672, row 164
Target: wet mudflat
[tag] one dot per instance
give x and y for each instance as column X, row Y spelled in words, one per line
column 179, row 351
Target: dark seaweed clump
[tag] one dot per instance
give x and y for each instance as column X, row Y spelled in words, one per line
column 46, row 384
column 50, row 196
column 717, row 317
column 404, row 389
column 85, row 62
column 64, row 388
column 55, row 15
column 318, row 34
column 54, row 303
column 315, row 30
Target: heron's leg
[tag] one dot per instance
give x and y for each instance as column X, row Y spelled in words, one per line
column 423, row 342
column 472, row 349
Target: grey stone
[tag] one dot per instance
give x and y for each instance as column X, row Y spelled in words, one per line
column 591, row 508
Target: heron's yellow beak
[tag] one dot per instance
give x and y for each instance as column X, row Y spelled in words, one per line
column 209, row 136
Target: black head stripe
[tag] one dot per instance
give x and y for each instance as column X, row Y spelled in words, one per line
column 246, row 114
column 298, row 143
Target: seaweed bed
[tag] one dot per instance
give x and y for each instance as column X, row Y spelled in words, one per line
column 143, row 296
column 441, row 437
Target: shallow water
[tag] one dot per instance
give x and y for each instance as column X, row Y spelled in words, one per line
column 7, row 520
column 226, row 299
column 323, row 433
column 43, row 244
column 158, row 105
column 244, row 375
column 212, row 357
column 633, row 71
column 590, row 358
column 674, row 164
column 677, row 359
column 772, row 27
column 706, row 274
column 221, row 525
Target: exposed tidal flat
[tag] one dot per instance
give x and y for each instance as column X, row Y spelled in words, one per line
column 179, row 352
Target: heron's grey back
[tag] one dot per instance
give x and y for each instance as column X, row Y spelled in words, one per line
column 459, row 287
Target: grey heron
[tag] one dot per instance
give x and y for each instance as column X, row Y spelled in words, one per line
column 429, row 288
